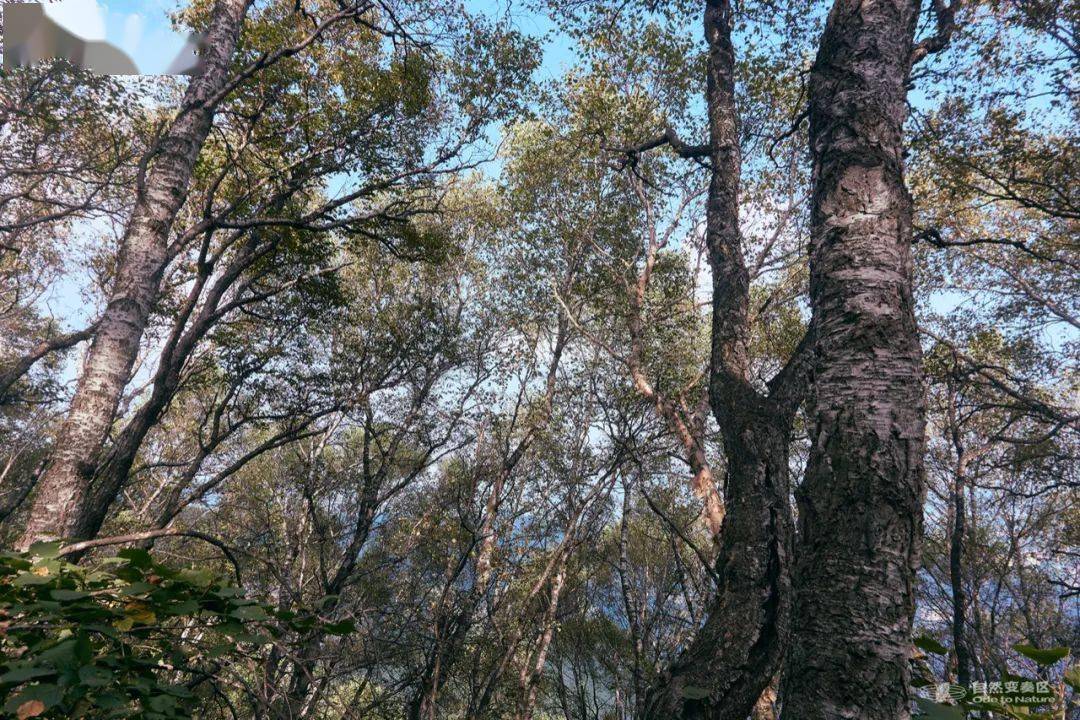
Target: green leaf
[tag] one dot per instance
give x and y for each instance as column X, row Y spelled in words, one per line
column 61, row 653
column 25, row 579
column 45, row 549
column 68, row 595
column 930, row 645
column 162, row 703
column 47, row 693
column 936, row 711
column 94, row 676
column 106, row 630
column 253, row 638
column 84, row 651
column 110, row 701
column 201, row 577
column 343, row 627
column 138, row 588
column 250, row 612
column 185, row 607
column 19, row 675
column 136, row 557
column 1049, row 656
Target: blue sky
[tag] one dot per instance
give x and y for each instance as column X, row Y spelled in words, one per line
column 141, row 28
column 144, row 30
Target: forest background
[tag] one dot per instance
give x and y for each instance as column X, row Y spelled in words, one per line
column 479, row 345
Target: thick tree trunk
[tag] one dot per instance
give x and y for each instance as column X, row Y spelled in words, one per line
column 860, row 508
column 734, row 655
column 737, row 652
column 111, row 473
column 143, row 256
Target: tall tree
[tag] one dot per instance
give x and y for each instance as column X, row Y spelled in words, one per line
column 738, row 650
column 161, row 191
column 860, row 507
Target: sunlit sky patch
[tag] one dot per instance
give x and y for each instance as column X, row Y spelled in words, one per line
column 141, row 28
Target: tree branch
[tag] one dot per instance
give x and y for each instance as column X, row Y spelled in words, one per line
column 22, row 365
column 669, row 138
column 81, row 547
column 946, row 27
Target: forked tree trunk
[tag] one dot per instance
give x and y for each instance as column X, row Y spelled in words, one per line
column 143, row 255
column 860, row 508
column 734, row 656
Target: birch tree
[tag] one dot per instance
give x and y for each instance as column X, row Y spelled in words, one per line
column 162, row 187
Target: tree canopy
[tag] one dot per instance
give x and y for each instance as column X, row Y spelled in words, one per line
column 572, row 360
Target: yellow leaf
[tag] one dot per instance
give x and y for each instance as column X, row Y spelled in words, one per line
column 30, row 708
column 40, row 571
column 140, row 613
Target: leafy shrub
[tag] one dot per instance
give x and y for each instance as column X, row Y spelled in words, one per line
column 1045, row 705
column 124, row 637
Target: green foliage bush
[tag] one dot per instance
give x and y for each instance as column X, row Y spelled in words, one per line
column 124, row 636
column 1039, row 706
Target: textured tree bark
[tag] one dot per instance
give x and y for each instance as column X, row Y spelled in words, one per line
column 112, row 470
column 860, row 508
column 736, row 653
column 143, row 255
column 956, row 579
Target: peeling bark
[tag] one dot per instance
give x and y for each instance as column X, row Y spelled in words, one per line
column 735, row 655
column 860, row 508
column 144, row 252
